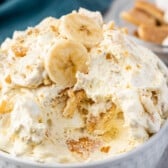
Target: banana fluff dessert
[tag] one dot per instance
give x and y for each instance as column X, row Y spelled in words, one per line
column 76, row 90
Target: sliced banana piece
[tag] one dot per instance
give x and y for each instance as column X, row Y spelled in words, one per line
column 81, row 28
column 96, row 16
column 63, row 61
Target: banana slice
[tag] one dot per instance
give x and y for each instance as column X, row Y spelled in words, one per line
column 64, row 60
column 81, row 28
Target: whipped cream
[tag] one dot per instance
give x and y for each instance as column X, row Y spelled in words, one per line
column 111, row 109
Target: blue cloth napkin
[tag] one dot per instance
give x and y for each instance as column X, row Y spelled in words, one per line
column 19, row 14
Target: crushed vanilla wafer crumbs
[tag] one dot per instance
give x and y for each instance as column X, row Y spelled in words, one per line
column 75, row 89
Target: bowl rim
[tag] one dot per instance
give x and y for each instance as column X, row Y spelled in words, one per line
column 123, row 156
column 157, row 48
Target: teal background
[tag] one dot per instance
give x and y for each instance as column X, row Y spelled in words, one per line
column 19, row 14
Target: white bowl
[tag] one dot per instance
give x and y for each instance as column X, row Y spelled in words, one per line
column 144, row 156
